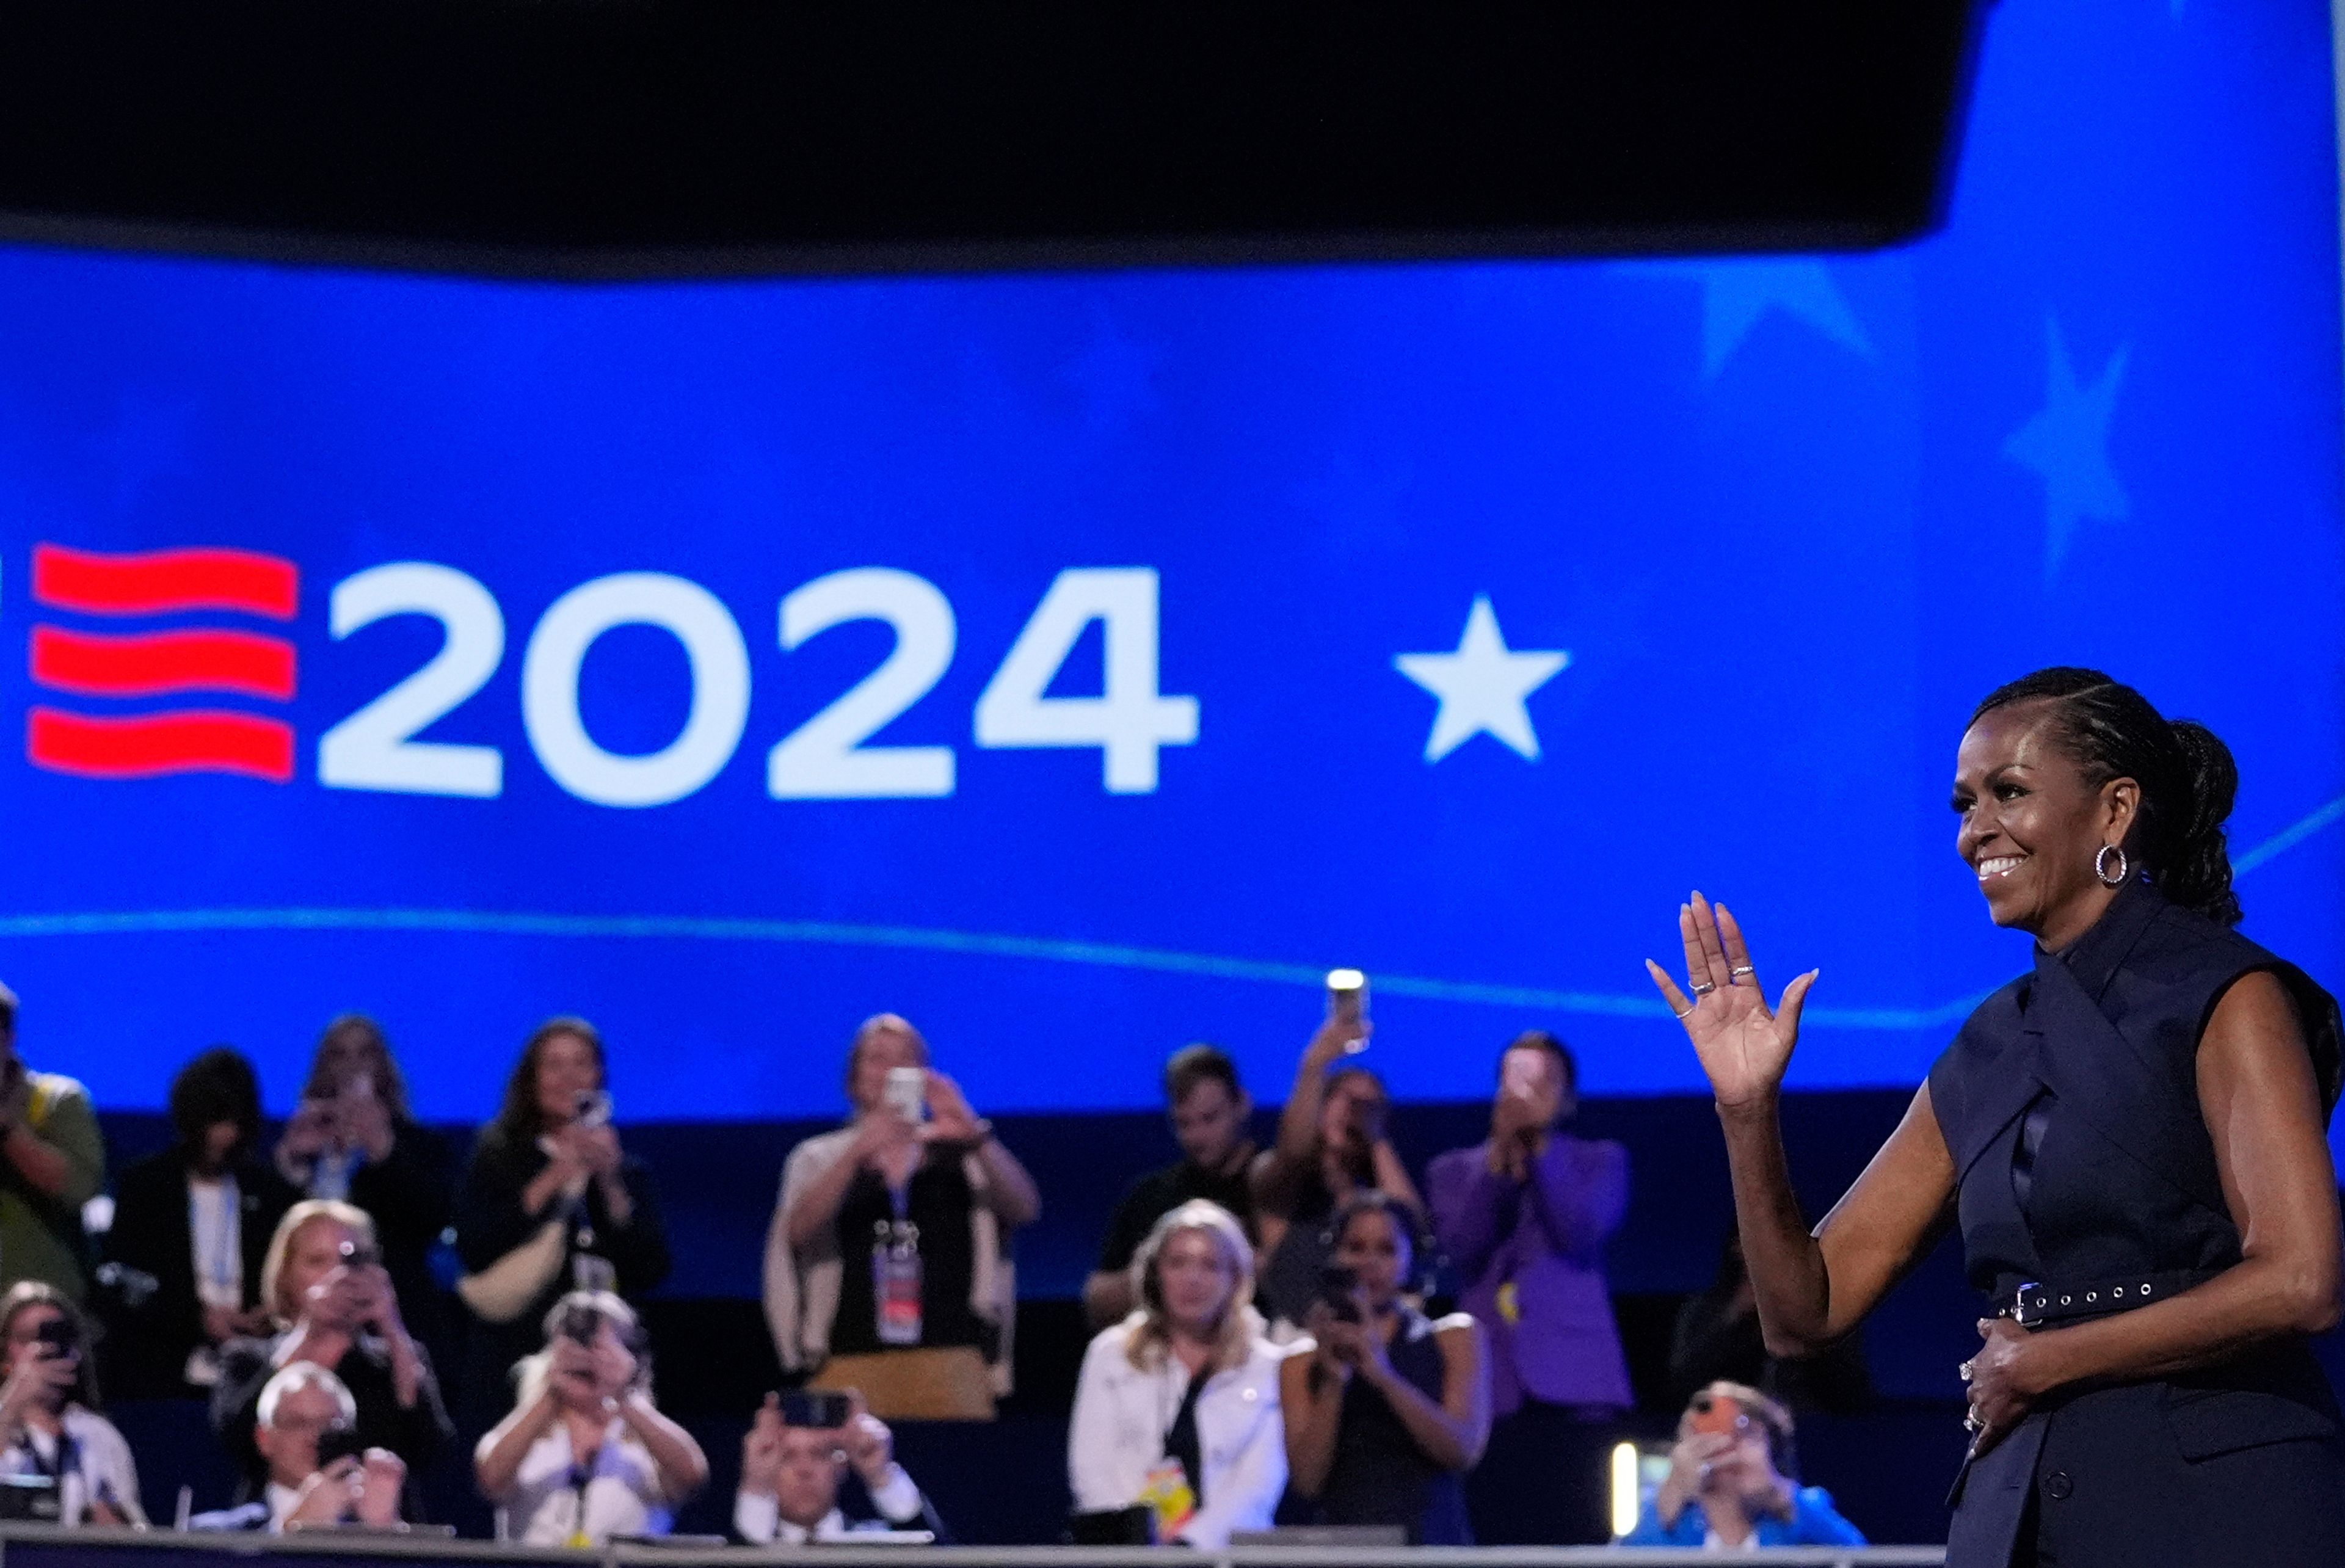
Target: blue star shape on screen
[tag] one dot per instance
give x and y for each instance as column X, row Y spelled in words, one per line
column 2067, row 443
column 1736, row 296
column 1482, row 686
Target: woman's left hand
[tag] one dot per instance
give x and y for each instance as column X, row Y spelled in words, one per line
column 950, row 1121
column 2000, row 1393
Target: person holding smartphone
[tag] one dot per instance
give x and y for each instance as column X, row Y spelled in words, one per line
column 888, row 1263
column 1733, row 1482
column 585, row 1454
column 320, row 1475
column 331, row 1300
column 801, row 1448
column 1385, row 1407
column 550, row 1203
column 1332, row 1143
column 353, row 1137
column 1524, row 1216
column 49, row 1420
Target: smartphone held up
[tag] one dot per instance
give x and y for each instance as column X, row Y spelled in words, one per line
column 1347, row 1003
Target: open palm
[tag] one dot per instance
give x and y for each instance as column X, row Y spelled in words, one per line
column 1744, row 1046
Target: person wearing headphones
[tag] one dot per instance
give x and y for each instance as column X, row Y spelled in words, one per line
column 1178, row 1405
column 1385, row 1407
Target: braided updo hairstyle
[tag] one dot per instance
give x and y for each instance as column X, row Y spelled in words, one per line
column 2186, row 776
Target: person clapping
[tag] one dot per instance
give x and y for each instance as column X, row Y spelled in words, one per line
column 1731, row 1483
column 792, row 1473
column 320, row 1476
column 50, row 1422
column 585, row 1454
column 333, row 1305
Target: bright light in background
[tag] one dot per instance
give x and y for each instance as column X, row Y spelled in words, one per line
column 1624, row 1489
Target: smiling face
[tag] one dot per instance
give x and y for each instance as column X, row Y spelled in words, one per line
column 567, row 1067
column 1373, row 1248
column 2032, row 823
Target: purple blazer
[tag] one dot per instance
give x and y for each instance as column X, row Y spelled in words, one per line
column 1552, row 1337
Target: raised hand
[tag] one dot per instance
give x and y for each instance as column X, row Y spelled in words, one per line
column 1744, row 1046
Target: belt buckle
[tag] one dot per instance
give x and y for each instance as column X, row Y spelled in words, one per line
column 2019, row 1313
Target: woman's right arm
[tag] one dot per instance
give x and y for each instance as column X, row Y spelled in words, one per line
column 498, row 1462
column 1276, row 1173
column 1812, row 1287
column 1312, row 1394
column 1091, row 1468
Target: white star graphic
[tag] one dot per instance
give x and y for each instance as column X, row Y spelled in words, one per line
column 1736, row 296
column 2068, row 444
column 1481, row 686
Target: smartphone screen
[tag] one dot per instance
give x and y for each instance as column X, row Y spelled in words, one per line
column 908, row 1092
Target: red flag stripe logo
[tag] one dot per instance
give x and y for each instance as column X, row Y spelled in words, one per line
column 161, row 581
column 154, row 662
column 161, row 743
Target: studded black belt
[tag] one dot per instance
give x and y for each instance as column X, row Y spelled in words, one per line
column 2035, row 1305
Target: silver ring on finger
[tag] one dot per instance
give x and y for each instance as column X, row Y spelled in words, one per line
column 1970, row 1420
column 1735, row 975
column 1964, row 1372
column 1684, row 1016
column 1705, row 988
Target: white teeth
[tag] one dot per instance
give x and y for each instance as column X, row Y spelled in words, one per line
column 1999, row 865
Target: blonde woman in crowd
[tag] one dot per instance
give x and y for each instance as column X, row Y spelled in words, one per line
column 1178, row 1405
column 49, row 1424
column 325, row 1290
column 585, row 1454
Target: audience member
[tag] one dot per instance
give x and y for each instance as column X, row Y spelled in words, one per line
column 52, row 1161
column 1733, row 1482
column 890, row 1243
column 1209, row 1110
column 1330, row 1144
column 353, row 1137
column 551, row 1203
column 318, row 1478
column 1178, row 1406
column 333, row 1306
column 585, row 1454
column 1385, row 1409
column 49, row 1424
column 1717, row 1339
column 1523, row 1215
column 194, row 1222
column 791, row 1478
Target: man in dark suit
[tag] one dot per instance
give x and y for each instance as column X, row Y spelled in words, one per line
column 196, row 1221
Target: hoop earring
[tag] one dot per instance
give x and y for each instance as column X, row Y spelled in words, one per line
column 2101, row 867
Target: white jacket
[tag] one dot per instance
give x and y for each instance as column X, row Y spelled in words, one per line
column 1122, row 1412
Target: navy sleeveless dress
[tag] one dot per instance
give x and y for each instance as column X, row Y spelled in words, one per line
column 2087, row 1184
column 1380, row 1476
